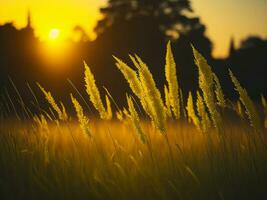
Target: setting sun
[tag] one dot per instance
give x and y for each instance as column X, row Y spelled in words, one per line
column 54, row 34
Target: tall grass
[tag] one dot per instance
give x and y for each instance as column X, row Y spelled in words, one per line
column 219, row 92
column 83, row 120
column 94, row 94
column 206, row 84
column 61, row 112
column 173, row 87
column 192, row 117
column 144, row 86
column 248, row 104
column 135, row 120
column 215, row 158
column 115, row 165
column 152, row 96
column 204, row 119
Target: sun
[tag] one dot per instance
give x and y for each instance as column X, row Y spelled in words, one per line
column 54, row 34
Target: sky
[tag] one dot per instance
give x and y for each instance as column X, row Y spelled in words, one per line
column 224, row 18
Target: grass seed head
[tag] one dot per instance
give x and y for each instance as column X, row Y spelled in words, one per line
column 62, row 114
column 251, row 111
column 206, row 83
column 83, row 120
column 171, row 77
column 93, row 92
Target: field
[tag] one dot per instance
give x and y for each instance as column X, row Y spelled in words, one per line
column 207, row 147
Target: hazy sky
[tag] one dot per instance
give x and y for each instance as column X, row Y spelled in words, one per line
column 223, row 18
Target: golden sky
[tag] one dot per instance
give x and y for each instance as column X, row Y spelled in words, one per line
column 227, row 18
column 223, row 18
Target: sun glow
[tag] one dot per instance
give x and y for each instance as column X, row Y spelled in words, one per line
column 54, row 49
column 54, row 34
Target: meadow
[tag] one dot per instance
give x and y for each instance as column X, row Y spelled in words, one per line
column 167, row 146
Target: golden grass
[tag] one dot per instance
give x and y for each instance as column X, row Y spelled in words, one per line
column 115, row 164
column 248, row 104
column 206, row 84
column 173, row 86
column 125, row 158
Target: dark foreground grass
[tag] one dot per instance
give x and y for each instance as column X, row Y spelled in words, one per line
column 62, row 163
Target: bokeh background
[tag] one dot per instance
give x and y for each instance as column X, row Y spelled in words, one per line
column 47, row 41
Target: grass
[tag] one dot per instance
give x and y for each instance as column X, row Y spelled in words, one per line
column 62, row 163
column 214, row 151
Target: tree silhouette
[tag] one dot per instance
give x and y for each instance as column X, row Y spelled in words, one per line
column 144, row 27
column 169, row 15
column 249, row 63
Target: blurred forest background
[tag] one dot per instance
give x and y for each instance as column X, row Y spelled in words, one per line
column 127, row 27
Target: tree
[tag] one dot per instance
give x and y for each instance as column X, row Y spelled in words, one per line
column 174, row 19
column 144, row 27
column 169, row 15
column 249, row 62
